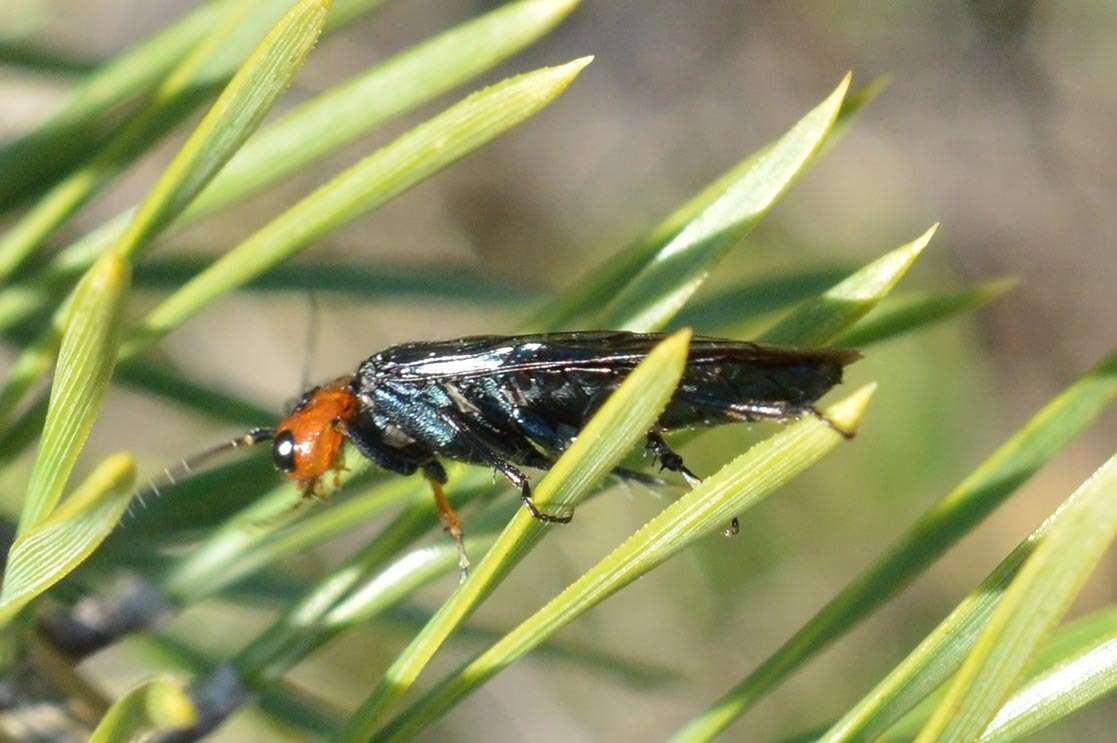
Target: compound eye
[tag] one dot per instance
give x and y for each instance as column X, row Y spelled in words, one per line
column 283, row 451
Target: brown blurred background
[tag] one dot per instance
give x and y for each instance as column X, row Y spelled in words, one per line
column 999, row 123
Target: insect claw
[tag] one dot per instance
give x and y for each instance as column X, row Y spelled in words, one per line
column 669, row 459
column 552, row 518
column 546, row 518
column 463, row 562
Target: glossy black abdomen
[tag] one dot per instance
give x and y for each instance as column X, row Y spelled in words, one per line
column 707, row 394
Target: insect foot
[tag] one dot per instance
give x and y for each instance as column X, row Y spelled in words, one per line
column 547, row 518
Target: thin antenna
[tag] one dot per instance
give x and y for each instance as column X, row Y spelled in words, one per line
column 310, row 343
column 185, row 468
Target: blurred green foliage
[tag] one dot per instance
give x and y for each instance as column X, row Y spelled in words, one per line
column 263, row 617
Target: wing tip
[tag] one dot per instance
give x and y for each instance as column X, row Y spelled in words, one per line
column 845, row 356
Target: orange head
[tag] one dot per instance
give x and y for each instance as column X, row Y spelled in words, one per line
column 308, row 442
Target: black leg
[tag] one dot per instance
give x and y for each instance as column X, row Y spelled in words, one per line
column 544, row 462
column 669, row 459
column 627, row 475
column 496, row 454
column 519, row 479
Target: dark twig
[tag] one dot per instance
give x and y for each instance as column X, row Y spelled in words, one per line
column 215, row 697
column 129, row 605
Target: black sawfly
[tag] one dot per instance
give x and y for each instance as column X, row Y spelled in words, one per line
column 507, row 402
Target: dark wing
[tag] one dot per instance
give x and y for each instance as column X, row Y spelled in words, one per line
column 585, row 351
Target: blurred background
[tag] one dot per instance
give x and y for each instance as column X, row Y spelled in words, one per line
column 998, row 123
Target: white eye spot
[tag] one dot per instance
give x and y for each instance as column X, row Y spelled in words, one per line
column 285, row 448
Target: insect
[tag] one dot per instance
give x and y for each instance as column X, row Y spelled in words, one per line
column 518, row 402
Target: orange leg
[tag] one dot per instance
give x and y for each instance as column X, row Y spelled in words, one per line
column 311, row 488
column 451, row 523
column 338, row 468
